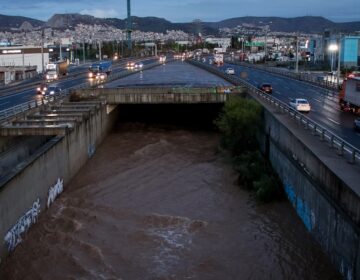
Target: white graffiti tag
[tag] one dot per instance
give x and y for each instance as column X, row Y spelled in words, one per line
column 55, row 191
column 13, row 236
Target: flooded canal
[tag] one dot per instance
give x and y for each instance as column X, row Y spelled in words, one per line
column 160, row 202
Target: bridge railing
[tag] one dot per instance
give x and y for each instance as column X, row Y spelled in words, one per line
column 301, row 76
column 342, row 147
column 22, row 108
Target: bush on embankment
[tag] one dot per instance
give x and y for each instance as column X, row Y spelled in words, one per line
column 239, row 124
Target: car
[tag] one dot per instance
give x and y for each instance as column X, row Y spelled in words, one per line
column 300, row 104
column 130, row 65
column 357, row 124
column 52, row 90
column 265, row 87
column 230, row 71
column 41, row 89
column 139, row 65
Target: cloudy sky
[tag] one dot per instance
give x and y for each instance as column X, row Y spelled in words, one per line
column 186, row 10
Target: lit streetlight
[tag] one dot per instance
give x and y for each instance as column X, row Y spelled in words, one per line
column 332, row 48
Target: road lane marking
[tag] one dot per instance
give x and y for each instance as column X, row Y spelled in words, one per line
column 333, row 121
column 317, row 100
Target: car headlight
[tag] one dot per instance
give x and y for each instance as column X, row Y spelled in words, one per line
column 55, row 76
column 38, row 89
column 45, row 88
column 90, row 75
column 47, row 77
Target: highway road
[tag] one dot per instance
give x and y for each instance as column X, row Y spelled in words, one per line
column 325, row 110
column 11, row 95
column 324, row 104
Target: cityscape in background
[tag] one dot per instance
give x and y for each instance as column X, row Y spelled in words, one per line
column 253, row 42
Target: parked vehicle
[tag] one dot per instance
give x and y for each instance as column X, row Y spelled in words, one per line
column 300, row 104
column 230, row 71
column 100, row 70
column 54, row 71
column 265, row 87
column 349, row 97
column 40, row 89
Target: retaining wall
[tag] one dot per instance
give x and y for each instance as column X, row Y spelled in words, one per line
column 321, row 185
column 41, row 177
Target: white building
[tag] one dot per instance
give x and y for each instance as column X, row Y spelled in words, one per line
column 24, row 56
column 222, row 42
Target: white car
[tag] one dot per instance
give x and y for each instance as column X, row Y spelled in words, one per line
column 230, row 71
column 300, row 104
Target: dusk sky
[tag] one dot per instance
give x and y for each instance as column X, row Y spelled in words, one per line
column 186, row 10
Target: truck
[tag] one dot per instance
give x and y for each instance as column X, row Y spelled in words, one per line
column 55, row 70
column 100, row 70
column 219, row 59
column 349, row 97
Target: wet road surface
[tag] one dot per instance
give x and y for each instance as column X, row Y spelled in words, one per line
column 160, row 202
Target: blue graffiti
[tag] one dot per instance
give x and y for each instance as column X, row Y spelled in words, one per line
column 302, row 209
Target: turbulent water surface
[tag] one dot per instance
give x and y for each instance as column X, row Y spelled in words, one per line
column 160, row 202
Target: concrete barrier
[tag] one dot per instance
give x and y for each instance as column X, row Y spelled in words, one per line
column 41, row 177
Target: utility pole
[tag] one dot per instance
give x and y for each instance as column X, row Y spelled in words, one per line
column 297, row 54
column 338, row 66
column 129, row 25
column 84, row 51
column 60, row 51
column 99, row 50
column 266, row 31
column 42, row 51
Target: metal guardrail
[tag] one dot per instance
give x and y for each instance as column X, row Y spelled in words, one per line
column 342, row 147
column 301, row 76
column 9, row 113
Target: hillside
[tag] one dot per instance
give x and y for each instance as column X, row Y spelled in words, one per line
column 9, row 22
column 307, row 24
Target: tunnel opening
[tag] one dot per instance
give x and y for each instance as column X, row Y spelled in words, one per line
column 189, row 116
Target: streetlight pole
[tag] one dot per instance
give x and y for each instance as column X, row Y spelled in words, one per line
column 333, row 48
column 42, row 51
column 99, row 50
column 84, row 51
column 297, row 54
column 338, row 66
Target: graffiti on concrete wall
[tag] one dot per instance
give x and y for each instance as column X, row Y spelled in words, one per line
column 91, row 150
column 13, row 236
column 302, row 208
column 55, row 191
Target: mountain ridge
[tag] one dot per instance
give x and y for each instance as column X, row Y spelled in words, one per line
column 306, row 24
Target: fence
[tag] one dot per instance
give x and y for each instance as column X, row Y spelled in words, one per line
column 343, row 148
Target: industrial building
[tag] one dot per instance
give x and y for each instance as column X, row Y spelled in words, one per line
column 21, row 62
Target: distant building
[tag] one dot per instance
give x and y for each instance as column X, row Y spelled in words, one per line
column 316, row 48
column 24, row 56
column 222, row 42
column 350, row 51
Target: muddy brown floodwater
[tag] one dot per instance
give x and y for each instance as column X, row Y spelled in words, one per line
column 161, row 203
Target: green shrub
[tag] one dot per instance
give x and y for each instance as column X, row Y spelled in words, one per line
column 239, row 123
column 266, row 188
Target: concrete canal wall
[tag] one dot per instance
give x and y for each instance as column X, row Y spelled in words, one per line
column 321, row 185
column 40, row 178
